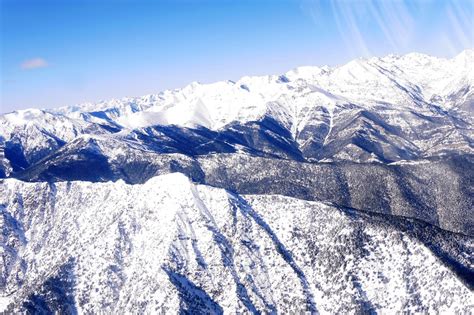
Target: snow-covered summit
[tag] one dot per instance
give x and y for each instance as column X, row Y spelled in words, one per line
column 403, row 81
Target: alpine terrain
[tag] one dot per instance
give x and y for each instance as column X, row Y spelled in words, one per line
column 344, row 189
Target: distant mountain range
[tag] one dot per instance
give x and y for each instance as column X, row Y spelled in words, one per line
column 347, row 189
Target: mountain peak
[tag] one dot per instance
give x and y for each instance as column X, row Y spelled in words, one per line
column 468, row 55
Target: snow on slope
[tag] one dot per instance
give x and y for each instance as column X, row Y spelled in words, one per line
column 169, row 245
column 29, row 135
column 61, row 126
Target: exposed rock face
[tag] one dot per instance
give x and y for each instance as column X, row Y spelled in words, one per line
column 170, row 245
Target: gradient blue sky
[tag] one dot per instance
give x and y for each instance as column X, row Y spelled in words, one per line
column 56, row 53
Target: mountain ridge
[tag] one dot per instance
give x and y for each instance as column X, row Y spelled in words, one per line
column 388, row 113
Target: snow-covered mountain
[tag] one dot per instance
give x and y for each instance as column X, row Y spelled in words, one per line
column 172, row 246
column 410, row 82
column 388, row 109
column 394, row 112
column 320, row 189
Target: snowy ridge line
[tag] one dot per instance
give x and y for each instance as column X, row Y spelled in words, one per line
column 397, row 79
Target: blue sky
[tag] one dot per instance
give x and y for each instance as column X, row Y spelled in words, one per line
column 56, row 53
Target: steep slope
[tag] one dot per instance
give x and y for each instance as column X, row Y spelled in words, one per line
column 438, row 192
column 27, row 136
column 171, row 246
column 95, row 159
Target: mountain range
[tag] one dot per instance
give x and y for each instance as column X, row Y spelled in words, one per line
column 341, row 189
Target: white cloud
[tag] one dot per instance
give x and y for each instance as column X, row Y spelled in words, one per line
column 34, row 64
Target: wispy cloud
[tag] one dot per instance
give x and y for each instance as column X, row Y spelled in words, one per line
column 34, row 63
